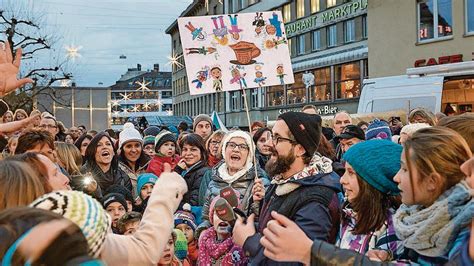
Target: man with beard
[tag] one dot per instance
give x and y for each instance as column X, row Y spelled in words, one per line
column 304, row 187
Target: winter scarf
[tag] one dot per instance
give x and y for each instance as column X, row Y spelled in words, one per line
column 213, row 252
column 432, row 231
column 213, row 160
column 318, row 165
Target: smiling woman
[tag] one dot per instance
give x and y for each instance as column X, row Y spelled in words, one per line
column 102, row 163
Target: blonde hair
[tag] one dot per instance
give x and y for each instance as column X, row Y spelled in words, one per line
column 35, row 111
column 437, row 150
column 7, row 112
column 10, row 143
column 19, row 111
column 423, row 113
column 19, row 184
column 463, row 124
column 70, row 157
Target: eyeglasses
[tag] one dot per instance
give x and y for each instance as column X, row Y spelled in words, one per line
column 213, row 142
column 48, row 126
column 232, row 146
column 277, row 139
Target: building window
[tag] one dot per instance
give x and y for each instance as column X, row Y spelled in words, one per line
column 347, row 80
column 330, row 3
column 321, row 91
column 364, row 27
column 332, row 36
column 275, row 96
column 435, row 19
column 301, row 44
column 234, row 100
column 315, row 7
column 349, row 31
column 287, row 13
column 316, row 40
column 299, row 8
column 254, row 98
column 470, row 16
column 290, row 48
column 296, row 92
column 243, row 4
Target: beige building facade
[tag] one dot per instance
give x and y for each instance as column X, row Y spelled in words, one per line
column 416, row 33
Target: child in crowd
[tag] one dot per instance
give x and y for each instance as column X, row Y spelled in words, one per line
column 168, row 258
column 216, row 246
column 129, row 223
column 165, row 148
column 149, row 146
column 145, row 184
column 186, row 222
column 116, row 206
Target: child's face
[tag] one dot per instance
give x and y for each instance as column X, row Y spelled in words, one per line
column 168, row 253
column 280, row 70
column 187, row 230
column 235, row 72
column 130, row 228
column 216, row 73
column 168, row 149
column 258, row 74
column 222, row 228
column 116, row 211
column 149, row 150
column 146, row 190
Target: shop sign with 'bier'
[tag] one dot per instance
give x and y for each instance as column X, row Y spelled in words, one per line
column 230, row 52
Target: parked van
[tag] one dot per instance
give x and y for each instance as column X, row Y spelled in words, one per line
column 442, row 88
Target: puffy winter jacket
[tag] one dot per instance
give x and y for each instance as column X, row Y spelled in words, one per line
column 192, row 176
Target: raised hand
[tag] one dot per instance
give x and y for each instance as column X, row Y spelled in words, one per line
column 9, row 69
column 258, row 190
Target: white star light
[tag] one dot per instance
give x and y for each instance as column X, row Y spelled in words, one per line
column 73, row 52
column 173, row 60
column 125, row 96
column 116, row 113
column 115, row 102
column 135, row 108
column 158, row 103
column 146, row 106
column 143, row 86
column 169, row 112
column 65, row 82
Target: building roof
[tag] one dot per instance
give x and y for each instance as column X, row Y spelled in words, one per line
column 158, row 80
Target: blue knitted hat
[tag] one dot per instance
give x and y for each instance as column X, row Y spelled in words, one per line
column 143, row 179
column 377, row 162
column 378, row 130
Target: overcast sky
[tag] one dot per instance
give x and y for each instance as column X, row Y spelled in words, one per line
column 107, row 29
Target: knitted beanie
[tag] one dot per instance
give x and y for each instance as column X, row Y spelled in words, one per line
column 129, row 133
column 81, row 209
column 116, row 188
column 185, row 217
column 180, row 245
column 200, row 118
column 378, row 130
column 376, row 161
column 151, row 131
column 143, row 179
column 162, row 138
column 149, row 140
column 412, row 128
column 306, row 128
column 114, row 197
column 248, row 140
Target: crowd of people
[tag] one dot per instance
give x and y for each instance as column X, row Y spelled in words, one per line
column 371, row 193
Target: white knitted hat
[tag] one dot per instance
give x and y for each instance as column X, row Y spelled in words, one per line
column 81, row 209
column 129, row 133
column 248, row 141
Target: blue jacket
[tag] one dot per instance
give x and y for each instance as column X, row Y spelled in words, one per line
column 314, row 207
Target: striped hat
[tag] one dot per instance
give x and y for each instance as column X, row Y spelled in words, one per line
column 81, row 209
column 378, row 129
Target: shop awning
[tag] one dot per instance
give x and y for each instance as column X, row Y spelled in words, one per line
column 331, row 59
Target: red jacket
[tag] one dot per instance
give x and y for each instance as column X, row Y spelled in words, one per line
column 156, row 165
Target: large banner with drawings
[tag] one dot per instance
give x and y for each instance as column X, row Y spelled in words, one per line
column 227, row 52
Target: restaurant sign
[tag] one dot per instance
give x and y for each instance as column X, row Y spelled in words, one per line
column 321, row 110
column 322, row 19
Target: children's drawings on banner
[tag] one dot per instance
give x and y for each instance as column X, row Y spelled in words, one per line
column 229, row 52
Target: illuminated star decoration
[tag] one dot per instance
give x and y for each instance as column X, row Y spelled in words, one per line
column 73, row 52
column 173, row 60
column 65, row 83
column 125, row 96
column 135, row 108
column 143, row 86
column 116, row 113
column 169, row 112
column 146, row 106
column 115, row 102
column 158, row 103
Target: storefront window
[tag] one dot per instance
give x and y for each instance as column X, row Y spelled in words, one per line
column 275, row 96
column 332, row 36
column 470, row 16
column 316, row 40
column 315, row 7
column 364, row 27
column 301, row 44
column 296, row 92
column 349, row 31
column 321, row 91
column 434, row 19
column 299, row 8
column 347, row 80
column 287, row 13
